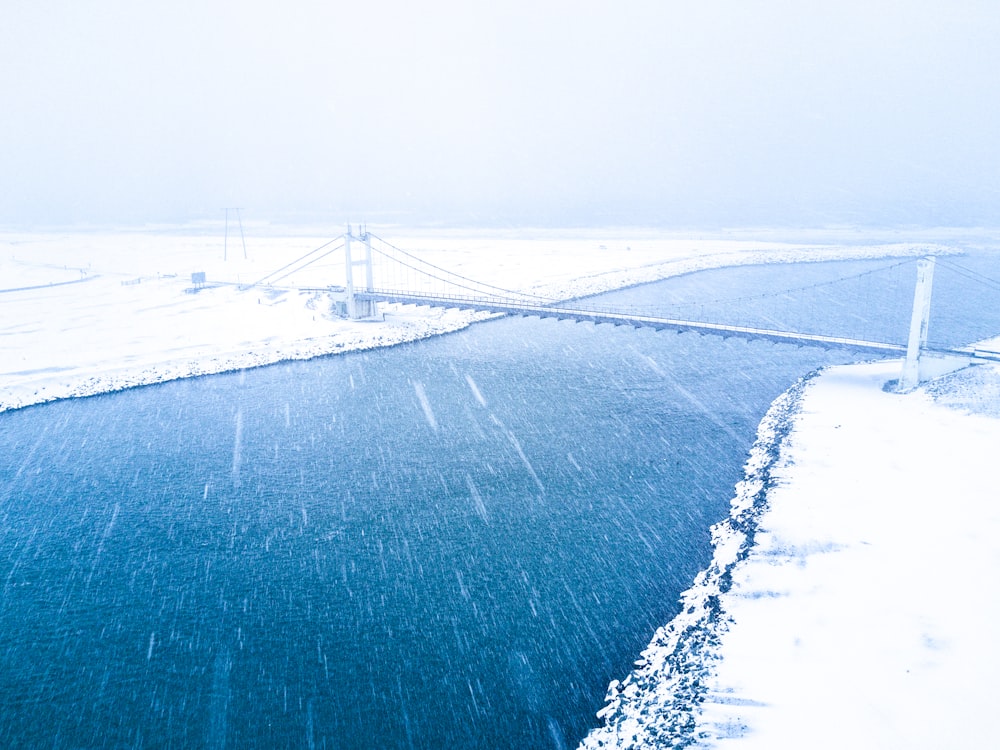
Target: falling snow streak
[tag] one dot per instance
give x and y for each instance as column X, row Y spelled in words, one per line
column 218, row 701
column 477, row 499
column 475, row 390
column 425, row 405
column 237, row 447
column 100, row 545
column 524, row 459
column 706, row 408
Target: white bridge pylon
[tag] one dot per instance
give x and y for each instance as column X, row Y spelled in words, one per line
column 358, row 305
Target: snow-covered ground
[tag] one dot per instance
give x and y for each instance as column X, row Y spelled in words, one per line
column 851, row 598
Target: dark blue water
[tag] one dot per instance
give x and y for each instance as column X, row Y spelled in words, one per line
column 455, row 543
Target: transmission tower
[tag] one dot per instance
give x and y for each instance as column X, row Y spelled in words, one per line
column 225, row 242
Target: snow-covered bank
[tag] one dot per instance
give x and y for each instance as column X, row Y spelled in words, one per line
column 851, row 599
column 90, row 313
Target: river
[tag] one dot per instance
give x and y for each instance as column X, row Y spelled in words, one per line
column 452, row 543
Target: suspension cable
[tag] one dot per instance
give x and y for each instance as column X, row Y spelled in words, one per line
column 303, row 257
column 805, row 288
column 969, row 273
column 452, row 273
column 306, row 265
column 453, row 283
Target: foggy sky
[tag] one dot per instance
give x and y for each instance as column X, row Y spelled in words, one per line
column 706, row 113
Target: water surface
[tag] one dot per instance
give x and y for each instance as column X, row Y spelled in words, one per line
column 454, row 543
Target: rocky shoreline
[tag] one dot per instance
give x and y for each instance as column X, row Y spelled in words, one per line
column 655, row 705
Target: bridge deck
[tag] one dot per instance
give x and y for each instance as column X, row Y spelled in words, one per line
column 565, row 311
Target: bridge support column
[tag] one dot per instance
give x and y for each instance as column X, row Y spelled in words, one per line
column 910, row 377
column 358, row 309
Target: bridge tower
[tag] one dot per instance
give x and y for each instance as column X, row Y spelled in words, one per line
column 923, row 364
column 359, row 308
column 910, row 377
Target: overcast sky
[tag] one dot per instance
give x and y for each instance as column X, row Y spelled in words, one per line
column 701, row 113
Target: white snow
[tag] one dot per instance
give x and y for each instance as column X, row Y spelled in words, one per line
column 861, row 547
column 863, row 614
column 867, row 606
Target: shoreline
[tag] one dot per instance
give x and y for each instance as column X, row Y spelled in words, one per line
column 123, row 379
column 838, row 599
column 657, row 702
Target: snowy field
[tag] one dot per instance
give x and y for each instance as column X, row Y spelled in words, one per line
column 851, row 598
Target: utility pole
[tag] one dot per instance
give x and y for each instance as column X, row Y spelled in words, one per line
column 225, row 245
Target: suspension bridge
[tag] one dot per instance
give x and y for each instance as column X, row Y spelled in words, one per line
column 404, row 278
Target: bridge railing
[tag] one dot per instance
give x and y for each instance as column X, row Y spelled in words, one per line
column 386, row 294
